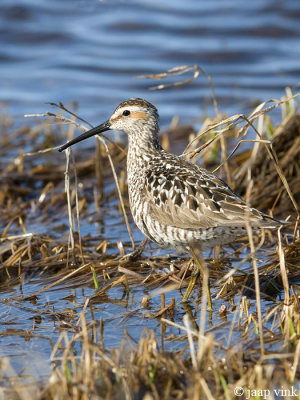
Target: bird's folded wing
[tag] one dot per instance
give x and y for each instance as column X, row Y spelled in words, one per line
column 196, row 201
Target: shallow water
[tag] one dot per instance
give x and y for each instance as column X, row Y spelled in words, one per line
column 91, row 52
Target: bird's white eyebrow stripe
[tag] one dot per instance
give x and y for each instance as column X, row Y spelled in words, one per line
column 130, row 108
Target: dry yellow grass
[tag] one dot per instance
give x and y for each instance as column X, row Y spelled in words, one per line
column 266, row 354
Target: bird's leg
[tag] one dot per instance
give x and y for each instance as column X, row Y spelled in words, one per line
column 192, row 284
column 199, row 261
column 201, row 268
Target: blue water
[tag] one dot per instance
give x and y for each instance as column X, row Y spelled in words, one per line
column 91, row 52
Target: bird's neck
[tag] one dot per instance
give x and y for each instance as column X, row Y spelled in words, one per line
column 144, row 143
column 141, row 152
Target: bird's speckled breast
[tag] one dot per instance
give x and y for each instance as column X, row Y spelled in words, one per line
column 137, row 167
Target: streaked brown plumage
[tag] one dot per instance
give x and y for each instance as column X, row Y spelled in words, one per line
column 175, row 203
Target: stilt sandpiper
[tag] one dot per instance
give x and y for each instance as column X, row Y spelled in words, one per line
column 175, row 203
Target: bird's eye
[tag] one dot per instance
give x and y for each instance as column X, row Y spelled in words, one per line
column 126, row 113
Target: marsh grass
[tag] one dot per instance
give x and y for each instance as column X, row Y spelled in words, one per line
column 260, row 312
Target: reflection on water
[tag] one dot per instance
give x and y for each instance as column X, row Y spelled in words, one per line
column 90, row 52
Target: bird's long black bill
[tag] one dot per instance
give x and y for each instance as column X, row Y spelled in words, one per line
column 92, row 132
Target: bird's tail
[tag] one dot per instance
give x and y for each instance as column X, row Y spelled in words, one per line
column 269, row 222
